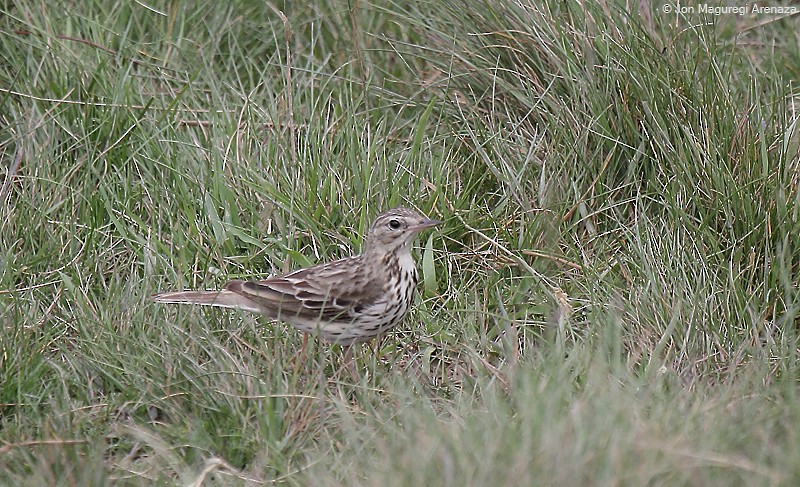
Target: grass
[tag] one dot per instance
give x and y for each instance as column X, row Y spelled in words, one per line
column 612, row 300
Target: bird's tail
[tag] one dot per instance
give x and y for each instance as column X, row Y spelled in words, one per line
column 223, row 299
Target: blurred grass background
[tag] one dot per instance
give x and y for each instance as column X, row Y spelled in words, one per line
column 612, row 300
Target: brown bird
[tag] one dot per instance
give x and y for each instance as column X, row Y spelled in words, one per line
column 346, row 301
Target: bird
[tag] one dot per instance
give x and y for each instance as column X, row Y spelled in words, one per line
column 346, row 301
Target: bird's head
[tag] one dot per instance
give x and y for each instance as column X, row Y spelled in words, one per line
column 395, row 230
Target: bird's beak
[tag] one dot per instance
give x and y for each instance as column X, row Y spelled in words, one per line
column 426, row 223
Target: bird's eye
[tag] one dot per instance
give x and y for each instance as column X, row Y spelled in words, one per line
column 394, row 224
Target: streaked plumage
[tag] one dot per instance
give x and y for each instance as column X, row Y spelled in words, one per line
column 346, row 301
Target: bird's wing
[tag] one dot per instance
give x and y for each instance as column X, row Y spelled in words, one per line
column 328, row 292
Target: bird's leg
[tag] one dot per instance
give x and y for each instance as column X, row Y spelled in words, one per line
column 348, row 354
column 376, row 349
column 349, row 363
column 300, row 356
column 304, row 345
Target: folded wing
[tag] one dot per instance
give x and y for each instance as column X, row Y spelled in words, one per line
column 323, row 293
